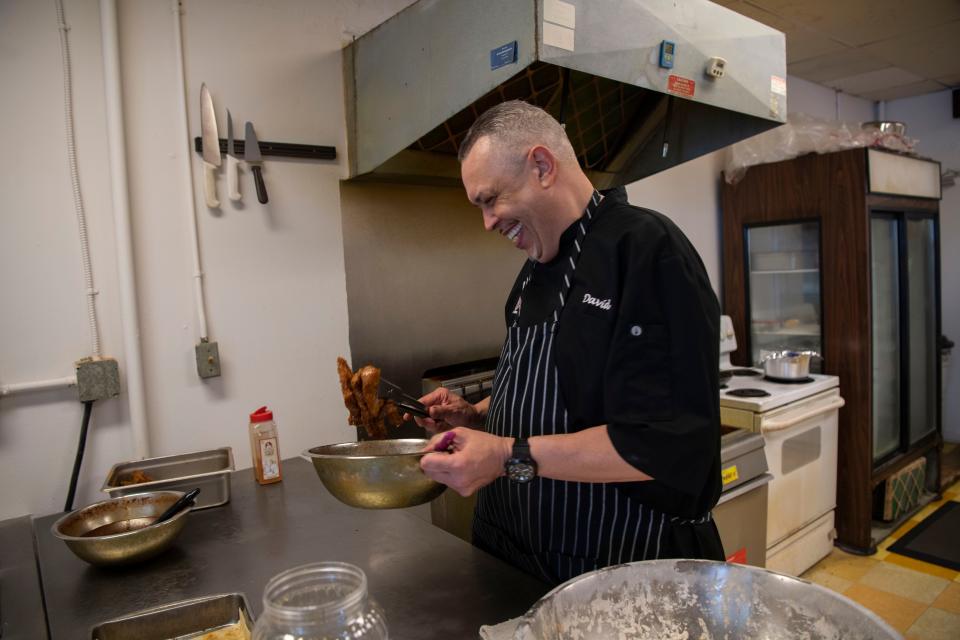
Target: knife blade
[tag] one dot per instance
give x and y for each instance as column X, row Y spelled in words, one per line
column 233, row 184
column 211, row 146
column 251, row 153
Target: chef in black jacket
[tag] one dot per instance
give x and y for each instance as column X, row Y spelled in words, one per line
column 600, row 441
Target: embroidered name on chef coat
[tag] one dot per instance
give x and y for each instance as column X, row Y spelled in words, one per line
column 597, row 302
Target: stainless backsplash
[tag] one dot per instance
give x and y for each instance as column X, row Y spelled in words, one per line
column 426, row 285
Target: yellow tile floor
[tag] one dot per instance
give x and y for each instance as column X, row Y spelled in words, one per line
column 918, row 599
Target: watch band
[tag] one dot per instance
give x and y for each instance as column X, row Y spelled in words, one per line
column 521, row 449
column 521, row 467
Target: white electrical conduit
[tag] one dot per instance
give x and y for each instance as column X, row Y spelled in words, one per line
column 91, row 292
column 121, row 218
column 21, row 387
column 188, row 174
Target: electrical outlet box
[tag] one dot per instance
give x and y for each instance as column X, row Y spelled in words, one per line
column 98, row 379
column 716, row 67
column 208, row 359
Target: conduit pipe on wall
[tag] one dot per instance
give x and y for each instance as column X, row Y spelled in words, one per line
column 121, row 217
column 41, row 385
column 188, row 174
column 71, row 138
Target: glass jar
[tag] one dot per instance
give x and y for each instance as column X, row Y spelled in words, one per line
column 320, row 601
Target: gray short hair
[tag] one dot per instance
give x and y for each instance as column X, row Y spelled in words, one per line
column 515, row 126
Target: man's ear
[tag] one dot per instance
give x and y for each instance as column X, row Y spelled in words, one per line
column 546, row 165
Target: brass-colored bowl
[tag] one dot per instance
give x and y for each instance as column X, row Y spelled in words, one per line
column 375, row 474
column 127, row 547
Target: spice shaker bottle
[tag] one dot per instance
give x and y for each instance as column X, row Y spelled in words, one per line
column 264, row 446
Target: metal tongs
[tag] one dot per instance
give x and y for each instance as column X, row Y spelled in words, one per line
column 389, row 391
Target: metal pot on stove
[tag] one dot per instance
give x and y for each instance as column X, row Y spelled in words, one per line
column 787, row 365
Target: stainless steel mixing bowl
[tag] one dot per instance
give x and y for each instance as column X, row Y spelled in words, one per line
column 660, row 599
column 375, row 474
column 127, row 547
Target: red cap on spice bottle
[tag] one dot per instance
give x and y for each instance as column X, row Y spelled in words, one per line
column 261, row 415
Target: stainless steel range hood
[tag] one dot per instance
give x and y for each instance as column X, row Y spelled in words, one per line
column 415, row 84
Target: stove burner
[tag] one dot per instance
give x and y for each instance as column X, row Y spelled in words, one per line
column 725, row 376
column 744, row 372
column 789, row 380
column 748, row 393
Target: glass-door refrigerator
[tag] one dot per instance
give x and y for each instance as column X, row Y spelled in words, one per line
column 904, row 284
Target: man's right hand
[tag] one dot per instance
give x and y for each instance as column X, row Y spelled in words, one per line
column 447, row 410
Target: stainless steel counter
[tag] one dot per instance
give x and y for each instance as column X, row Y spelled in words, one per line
column 21, row 599
column 430, row 583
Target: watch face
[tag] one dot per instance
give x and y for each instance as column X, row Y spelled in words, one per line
column 521, row 472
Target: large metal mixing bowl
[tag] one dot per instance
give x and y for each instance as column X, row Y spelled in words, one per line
column 660, row 599
column 375, row 474
column 127, row 547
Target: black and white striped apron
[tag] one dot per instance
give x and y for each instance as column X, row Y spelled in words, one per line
column 554, row 529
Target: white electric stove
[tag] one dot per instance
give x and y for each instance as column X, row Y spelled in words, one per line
column 748, row 390
column 799, row 422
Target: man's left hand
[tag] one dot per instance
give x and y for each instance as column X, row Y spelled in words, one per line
column 475, row 459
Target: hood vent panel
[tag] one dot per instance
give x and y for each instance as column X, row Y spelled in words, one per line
column 597, row 112
column 416, row 83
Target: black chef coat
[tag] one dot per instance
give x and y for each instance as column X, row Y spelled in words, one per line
column 638, row 350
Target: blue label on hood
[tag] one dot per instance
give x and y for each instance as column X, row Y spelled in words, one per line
column 502, row 56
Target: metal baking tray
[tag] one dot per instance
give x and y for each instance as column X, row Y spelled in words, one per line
column 228, row 613
column 208, row 470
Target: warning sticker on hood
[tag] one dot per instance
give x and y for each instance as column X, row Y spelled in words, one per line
column 681, row 86
column 778, row 85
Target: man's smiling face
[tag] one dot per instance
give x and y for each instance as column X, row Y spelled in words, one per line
column 507, row 196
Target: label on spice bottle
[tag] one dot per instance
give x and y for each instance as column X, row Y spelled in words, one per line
column 270, row 458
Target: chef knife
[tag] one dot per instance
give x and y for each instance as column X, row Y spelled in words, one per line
column 211, row 146
column 233, row 185
column 251, row 153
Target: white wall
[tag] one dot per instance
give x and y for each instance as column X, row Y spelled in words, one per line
column 823, row 102
column 275, row 276
column 929, row 119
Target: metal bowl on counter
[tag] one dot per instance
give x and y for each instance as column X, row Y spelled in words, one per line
column 788, row 366
column 142, row 539
column 660, row 599
column 375, row 474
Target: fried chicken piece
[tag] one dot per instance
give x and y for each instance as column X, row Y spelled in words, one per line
column 137, row 477
column 346, row 374
column 356, row 386
column 376, row 429
column 391, row 414
column 361, row 397
column 370, row 382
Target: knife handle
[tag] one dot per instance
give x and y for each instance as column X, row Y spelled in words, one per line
column 210, row 185
column 233, row 184
column 261, row 188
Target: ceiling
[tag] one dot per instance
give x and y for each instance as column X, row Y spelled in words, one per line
column 874, row 49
